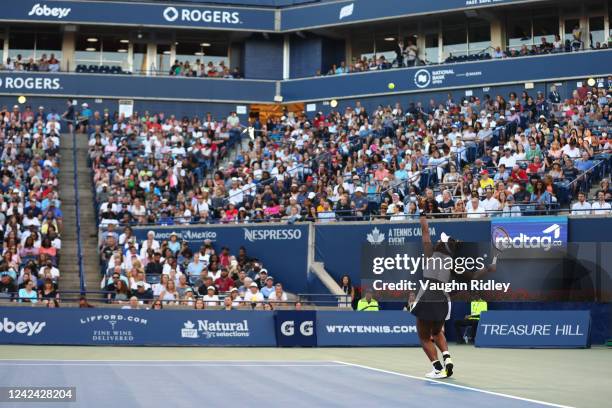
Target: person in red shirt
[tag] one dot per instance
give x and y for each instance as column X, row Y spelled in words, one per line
column 224, row 257
column 535, row 167
column 224, row 283
column 518, row 174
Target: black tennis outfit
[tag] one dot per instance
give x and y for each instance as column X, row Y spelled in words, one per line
column 433, row 305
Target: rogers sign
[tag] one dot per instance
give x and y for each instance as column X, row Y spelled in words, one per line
column 172, row 14
column 35, row 83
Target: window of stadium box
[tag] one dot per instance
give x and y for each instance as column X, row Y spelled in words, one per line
column 609, row 37
column 432, row 48
column 465, row 37
column 381, row 41
column 98, row 50
column 205, row 54
column 528, row 28
column 34, row 44
column 596, row 24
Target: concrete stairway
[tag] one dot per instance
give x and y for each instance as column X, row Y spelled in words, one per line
column 69, row 266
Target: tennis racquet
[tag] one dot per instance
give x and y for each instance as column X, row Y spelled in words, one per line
column 500, row 239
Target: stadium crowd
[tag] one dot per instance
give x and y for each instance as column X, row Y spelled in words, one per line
column 43, row 64
column 30, row 209
column 169, row 273
column 200, row 69
column 407, row 55
column 524, row 154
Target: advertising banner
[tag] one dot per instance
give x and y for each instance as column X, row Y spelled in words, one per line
column 142, row 14
column 363, row 329
column 529, row 232
column 464, row 75
column 296, row 328
column 105, row 326
column 330, row 240
column 283, row 249
column 120, row 327
column 136, row 87
column 534, row 329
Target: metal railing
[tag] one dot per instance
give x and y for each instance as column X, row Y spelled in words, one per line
column 77, row 204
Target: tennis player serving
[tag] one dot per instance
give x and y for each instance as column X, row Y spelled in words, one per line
column 433, row 307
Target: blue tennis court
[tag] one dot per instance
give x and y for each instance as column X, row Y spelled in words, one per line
column 249, row 383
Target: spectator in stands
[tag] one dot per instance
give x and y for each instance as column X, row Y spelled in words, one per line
column 211, row 298
column 278, row 296
column 121, row 292
column 143, row 293
column 228, row 304
column 582, row 206
column 169, row 294
column 8, row 288
column 253, row 295
column 268, row 287
column 601, row 207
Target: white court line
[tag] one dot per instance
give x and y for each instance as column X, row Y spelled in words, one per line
column 128, row 360
column 128, row 364
column 498, row 394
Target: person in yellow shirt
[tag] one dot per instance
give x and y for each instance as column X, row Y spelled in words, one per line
column 368, row 304
column 462, row 327
column 485, row 180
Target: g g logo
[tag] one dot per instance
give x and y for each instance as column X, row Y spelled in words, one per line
column 307, row 328
column 288, row 328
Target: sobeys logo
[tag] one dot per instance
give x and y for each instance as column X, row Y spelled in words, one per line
column 46, row 11
column 24, row 327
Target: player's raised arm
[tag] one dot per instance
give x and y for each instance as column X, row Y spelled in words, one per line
column 425, row 236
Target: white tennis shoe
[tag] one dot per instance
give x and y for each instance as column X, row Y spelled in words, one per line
column 436, row 374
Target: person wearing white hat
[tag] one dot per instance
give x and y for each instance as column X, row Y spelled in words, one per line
column 253, row 294
column 149, row 243
column 360, row 202
column 211, row 298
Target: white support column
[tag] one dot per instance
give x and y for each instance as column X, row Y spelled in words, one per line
column 421, row 42
column 130, row 57
column 152, row 59
column 67, row 62
column 606, row 23
column 6, row 44
column 440, row 43
column 286, row 57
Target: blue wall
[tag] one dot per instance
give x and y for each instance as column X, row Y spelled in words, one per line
column 333, row 53
column 352, row 11
column 263, row 59
column 305, row 56
column 462, row 75
column 283, row 249
column 220, row 17
column 137, row 87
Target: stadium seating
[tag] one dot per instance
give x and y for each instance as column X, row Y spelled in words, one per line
column 30, row 214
